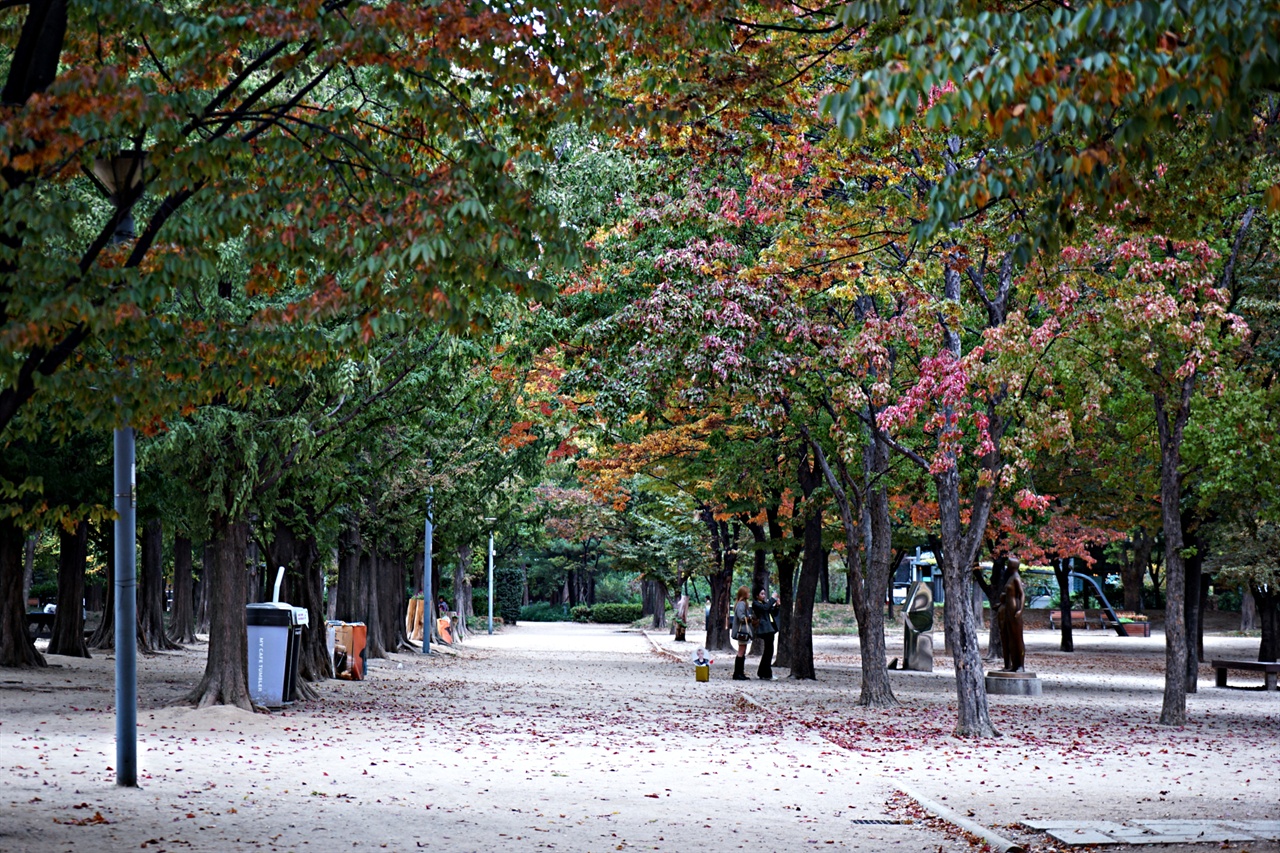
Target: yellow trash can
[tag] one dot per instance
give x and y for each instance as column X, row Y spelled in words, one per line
column 702, row 673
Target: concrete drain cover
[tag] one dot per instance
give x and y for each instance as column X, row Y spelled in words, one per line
column 1082, row 832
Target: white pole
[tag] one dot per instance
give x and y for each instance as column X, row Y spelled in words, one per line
column 491, row 580
column 428, row 602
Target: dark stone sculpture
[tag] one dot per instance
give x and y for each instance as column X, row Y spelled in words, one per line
column 1009, row 619
column 917, row 648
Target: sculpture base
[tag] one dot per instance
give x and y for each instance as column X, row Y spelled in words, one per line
column 1013, row 683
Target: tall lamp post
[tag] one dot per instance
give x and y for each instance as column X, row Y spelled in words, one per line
column 117, row 177
column 490, row 522
column 428, row 602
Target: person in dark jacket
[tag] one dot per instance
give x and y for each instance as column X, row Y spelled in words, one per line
column 741, row 632
column 765, row 609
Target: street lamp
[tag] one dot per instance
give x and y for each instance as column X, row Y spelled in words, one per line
column 119, row 177
column 428, row 605
column 490, row 522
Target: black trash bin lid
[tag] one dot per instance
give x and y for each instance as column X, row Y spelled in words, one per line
column 269, row 613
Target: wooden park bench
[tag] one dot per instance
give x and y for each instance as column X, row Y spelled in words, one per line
column 1078, row 619
column 1269, row 670
column 40, row 624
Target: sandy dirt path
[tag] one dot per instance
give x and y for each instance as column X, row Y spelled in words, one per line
column 543, row 737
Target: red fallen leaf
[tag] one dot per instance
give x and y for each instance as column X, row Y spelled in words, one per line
column 654, row 796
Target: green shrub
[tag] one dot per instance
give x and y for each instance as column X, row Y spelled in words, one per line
column 508, row 593
column 581, row 613
column 613, row 614
column 542, row 611
column 44, row 590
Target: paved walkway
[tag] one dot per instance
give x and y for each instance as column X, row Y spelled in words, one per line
column 583, row 738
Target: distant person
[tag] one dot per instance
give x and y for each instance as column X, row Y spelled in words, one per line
column 443, row 606
column 742, row 632
column 765, row 608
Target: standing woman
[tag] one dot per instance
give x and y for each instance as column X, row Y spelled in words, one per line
column 742, row 632
column 766, row 612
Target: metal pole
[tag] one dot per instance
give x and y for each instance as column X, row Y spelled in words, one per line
column 428, row 598
column 490, row 580
column 126, row 612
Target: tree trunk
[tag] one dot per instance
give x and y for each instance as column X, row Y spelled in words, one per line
column 314, row 662
column 393, row 601
column 653, row 596
column 1193, row 589
column 182, row 616
column 956, row 559
column 68, row 626
column 759, row 572
column 725, row 555
column 1131, row 574
column 1173, row 710
column 806, row 588
column 104, row 636
column 877, row 690
column 304, row 578
column 16, row 647
column 346, row 608
column 152, row 635
column 462, row 587
column 366, row 604
column 784, row 557
column 824, row 578
column 202, row 590
column 226, row 673
column 254, row 574
column 992, row 590
column 1248, row 610
column 1268, row 601
column 808, row 478
column 28, row 566
column 1062, row 573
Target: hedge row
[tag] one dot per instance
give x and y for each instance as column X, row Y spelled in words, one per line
column 608, row 614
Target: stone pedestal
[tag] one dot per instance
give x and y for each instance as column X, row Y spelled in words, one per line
column 1003, row 683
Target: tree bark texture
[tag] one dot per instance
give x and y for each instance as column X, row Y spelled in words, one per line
column 653, row 596
column 1268, row 603
column 462, row 587
column 300, row 555
column 152, row 635
column 16, row 647
column 226, row 673
column 28, row 566
column 1132, row 573
column 1173, row 710
column 104, row 636
column 759, row 571
column 785, row 557
column 992, row 591
column 393, row 600
column 349, row 550
column 877, row 690
column 724, row 554
column 1062, row 574
column 809, row 478
column 366, row 603
column 68, row 625
column 202, row 590
column 1248, row 610
column 959, row 552
column 182, row 616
